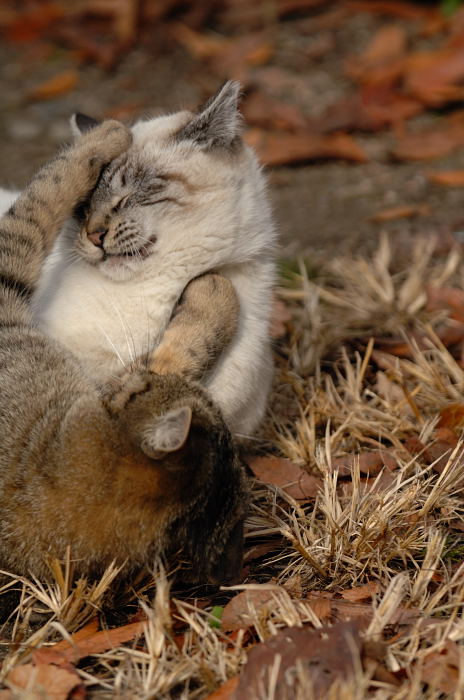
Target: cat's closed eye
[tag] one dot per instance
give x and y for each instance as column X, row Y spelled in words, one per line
column 119, row 203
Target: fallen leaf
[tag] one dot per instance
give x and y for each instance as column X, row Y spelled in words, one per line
column 54, row 87
column 240, row 612
column 276, row 148
column 262, row 110
column 370, row 109
column 44, row 680
column 450, row 178
column 433, row 142
column 405, row 10
column 438, row 452
column 402, row 212
column 435, row 77
column 330, row 654
column 440, row 669
column 280, row 316
column 370, row 463
column 260, row 550
column 288, row 476
column 226, row 691
column 446, row 298
column 89, row 645
column 452, row 416
column 381, row 59
column 365, row 592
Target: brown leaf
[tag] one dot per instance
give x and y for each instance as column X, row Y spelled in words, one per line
column 450, row 178
column 405, row 10
column 435, row 77
column 365, row 592
column 381, row 59
column 44, row 680
column 54, row 87
column 449, row 298
column 440, row 670
column 281, row 315
column 370, row 463
column 260, row 109
column 370, row 109
column 433, row 142
column 329, row 652
column 237, row 615
column 320, row 604
column 452, row 416
column 402, row 212
column 226, row 691
column 89, row 645
column 288, row 476
column 276, row 148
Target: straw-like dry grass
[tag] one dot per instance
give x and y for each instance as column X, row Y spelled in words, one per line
column 335, row 395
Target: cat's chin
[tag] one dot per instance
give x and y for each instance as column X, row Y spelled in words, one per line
column 118, row 268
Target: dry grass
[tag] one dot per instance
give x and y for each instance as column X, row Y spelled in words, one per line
column 335, row 395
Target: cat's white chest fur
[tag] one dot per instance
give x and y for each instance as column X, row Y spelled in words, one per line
column 105, row 323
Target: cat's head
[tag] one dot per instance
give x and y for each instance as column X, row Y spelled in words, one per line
column 183, row 193
column 177, row 426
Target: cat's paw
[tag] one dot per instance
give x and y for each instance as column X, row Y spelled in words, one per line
column 118, row 392
column 99, row 146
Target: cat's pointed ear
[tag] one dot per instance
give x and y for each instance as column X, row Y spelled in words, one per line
column 218, row 123
column 167, row 433
column 80, row 123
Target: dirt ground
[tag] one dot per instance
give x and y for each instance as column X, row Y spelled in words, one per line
column 321, row 206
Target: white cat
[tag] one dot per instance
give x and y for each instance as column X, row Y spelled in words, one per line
column 188, row 197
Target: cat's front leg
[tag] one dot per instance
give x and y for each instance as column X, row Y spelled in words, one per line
column 203, row 324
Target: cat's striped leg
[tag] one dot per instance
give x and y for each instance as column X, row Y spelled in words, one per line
column 202, row 326
column 29, row 227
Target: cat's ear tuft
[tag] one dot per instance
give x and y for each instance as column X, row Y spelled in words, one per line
column 218, row 124
column 80, row 123
column 167, row 433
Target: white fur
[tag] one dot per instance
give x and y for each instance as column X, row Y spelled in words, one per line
column 110, row 313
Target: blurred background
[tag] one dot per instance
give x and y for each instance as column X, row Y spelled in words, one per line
column 355, row 106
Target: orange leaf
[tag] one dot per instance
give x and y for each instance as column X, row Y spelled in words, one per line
column 403, row 212
column 450, row 178
column 290, row 477
column 377, row 62
column 279, row 318
column 276, row 148
column 370, row 463
column 452, row 416
column 262, row 110
column 237, row 613
column 405, row 10
column 47, row 680
column 226, row 691
column 361, row 592
column 435, row 77
column 433, row 142
column 89, row 645
column 56, row 86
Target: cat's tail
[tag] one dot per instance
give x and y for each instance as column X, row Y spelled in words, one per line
column 30, row 226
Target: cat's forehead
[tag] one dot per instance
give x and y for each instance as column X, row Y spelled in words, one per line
column 159, row 131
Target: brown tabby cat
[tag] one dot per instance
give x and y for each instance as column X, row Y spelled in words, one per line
column 146, row 466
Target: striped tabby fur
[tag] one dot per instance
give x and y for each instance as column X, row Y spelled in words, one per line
column 145, row 467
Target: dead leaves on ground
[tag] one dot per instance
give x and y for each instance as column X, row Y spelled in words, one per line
column 52, row 672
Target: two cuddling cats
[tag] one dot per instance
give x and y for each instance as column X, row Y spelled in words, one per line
column 147, row 455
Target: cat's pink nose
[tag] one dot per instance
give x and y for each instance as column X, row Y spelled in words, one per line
column 97, row 237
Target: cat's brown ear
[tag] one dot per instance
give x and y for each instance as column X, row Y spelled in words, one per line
column 167, row 433
column 218, row 123
column 80, row 123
